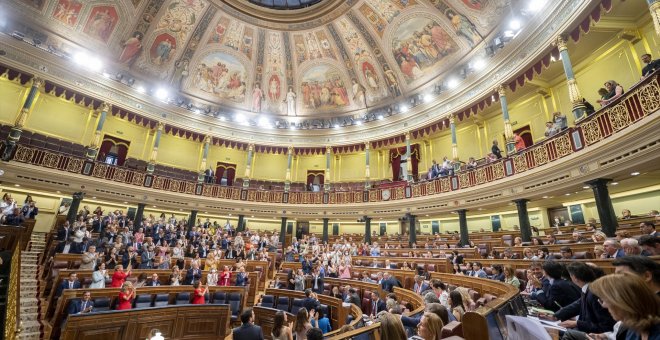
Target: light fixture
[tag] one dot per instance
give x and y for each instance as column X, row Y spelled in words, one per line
column 380, row 117
column 634, row 173
column 264, row 122
column 336, row 126
column 567, row 194
column 535, row 5
column 157, row 336
column 358, row 122
column 479, row 64
column 94, row 197
column 403, row 108
column 154, row 206
column 17, row 185
column 240, row 118
column 125, row 202
column 427, row 98
column 545, row 196
column 515, row 24
column 161, row 94
column 222, row 118
column 141, row 89
column 452, row 83
column 586, row 187
column 614, row 183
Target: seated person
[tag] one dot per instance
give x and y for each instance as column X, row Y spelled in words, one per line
column 82, row 306
column 471, row 164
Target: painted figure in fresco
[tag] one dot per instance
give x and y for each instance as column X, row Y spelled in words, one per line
column 464, row 27
column 274, row 88
column 131, row 49
column 290, row 102
column 181, row 73
column 101, row 24
column 257, row 96
column 392, row 83
column 163, row 51
column 359, row 96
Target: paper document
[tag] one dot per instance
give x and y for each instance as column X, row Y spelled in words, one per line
column 525, row 328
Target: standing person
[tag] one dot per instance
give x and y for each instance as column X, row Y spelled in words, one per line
column 225, row 277
column 99, row 276
column 391, row 327
column 198, row 295
column 281, row 329
column 651, row 65
column 126, row 296
column 520, row 143
column 303, row 323
column 119, row 276
column 495, row 150
column 248, row 330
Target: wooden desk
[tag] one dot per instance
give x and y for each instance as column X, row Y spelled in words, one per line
column 175, row 322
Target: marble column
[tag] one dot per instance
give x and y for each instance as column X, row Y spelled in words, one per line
column 93, row 148
column 74, row 207
column 508, row 130
column 287, row 177
column 606, row 214
column 579, row 110
column 654, row 7
column 192, row 219
column 248, row 167
column 463, row 227
column 523, row 219
column 326, row 223
column 367, row 170
column 367, row 229
column 201, row 178
column 154, row 152
column 283, row 234
column 139, row 214
column 17, row 129
column 328, row 163
column 412, row 231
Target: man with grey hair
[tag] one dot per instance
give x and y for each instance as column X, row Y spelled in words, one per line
column 613, row 249
column 631, row 246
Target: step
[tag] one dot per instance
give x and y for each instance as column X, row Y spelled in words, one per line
column 30, row 336
column 30, row 310
column 31, row 326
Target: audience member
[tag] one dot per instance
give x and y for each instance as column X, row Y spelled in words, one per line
column 281, row 329
column 614, row 91
column 303, row 323
column 82, row 306
column 391, row 327
column 126, row 296
column 556, row 292
column 455, row 302
column 651, row 65
column 248, row 330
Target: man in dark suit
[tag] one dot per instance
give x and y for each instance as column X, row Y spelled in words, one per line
column 377, row 305
column 208, row 175
column 67, row 247
column 420, row 285
column 317, row 281
column 153, row 281
column 64, row 232
column 593, row 317
column 651, row 65
column 230, row 253
column 310, row 302
column 130, row 257
column 30, row 210
column 557, row 292
column 70, row 283
column 389, row 282
column 352, row 297
column 248, row 330
column 82, row 306
column 193, row 274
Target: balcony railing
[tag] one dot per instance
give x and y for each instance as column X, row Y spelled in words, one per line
column 642, row 100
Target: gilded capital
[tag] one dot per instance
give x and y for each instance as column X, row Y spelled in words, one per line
column 501, row 90
column 452, row 119
column 289, row 150
column 561, row 43
column 407, row 135
column 160, row 126
column 207, row 139
column 105, row 107
column 367, row 145
column 328, row 149
column 37, row 82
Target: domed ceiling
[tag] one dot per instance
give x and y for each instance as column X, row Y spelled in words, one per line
column 325, row 58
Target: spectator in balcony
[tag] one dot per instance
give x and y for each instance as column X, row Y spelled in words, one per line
column 651, row 65
column 559, row 121
column 495, row 150
column 519, row 142
column 471, row 164
column 29, row 210
column 434, row 171
column 7, row 205
column 614, row 91
column 629, row 300
column 126, row 296
column 99, row 276
column 510, row 276
column 550, row 129
column 625, row 214
column 119, row 276
column 15, row 218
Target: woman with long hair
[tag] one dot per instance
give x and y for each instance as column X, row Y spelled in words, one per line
column 302, row 324
column 510, row 276
column 126, row 296
column 391, row 327
column 630, row 300
column 455, row 302
column 430, row 327
column 281, row 330
column 198, row 294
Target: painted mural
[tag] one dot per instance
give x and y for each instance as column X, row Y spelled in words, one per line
column 67, row 11
column 162, row 49
column 322, row 88
column 222, row 76
column 101, row 22
column 312, row 45
column 420, row 43
column 380, row 13
column 38, row 4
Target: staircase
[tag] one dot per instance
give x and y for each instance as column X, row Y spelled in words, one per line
column 30, row 318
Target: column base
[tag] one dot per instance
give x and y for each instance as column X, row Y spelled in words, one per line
column 150, row 167
column 201, row 178
column 246, row 183
column 287, row 186
column 510, row 147
column 579, row 111
column 8, row 152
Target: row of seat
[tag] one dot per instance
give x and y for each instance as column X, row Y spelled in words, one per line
column 291, row 305
column 46, row 142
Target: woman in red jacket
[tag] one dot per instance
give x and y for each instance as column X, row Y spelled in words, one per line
column 126, row 296
column 198, row 296
column 119, row 276
column 225, row 277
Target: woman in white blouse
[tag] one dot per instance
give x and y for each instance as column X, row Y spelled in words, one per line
column 99, row 276
column 212, row 277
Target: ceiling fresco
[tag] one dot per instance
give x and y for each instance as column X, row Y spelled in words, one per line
column 375, row 51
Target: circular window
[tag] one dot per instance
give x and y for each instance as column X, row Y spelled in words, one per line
column 285, row 4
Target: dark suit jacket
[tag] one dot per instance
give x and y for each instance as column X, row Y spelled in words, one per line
column 389, row 284
column 73, row 249
column 65, row 285
column 560, row 294
column 424, row 288
column 319, row 289
column 150, row 283
column 32, row 213
column 191, row 276
column 63, row 233
column 380, row 306
column 247, row 331
column 232, row 252
column 650, row 67
column 593, row 317
column 75, row 306
column 310, row 303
